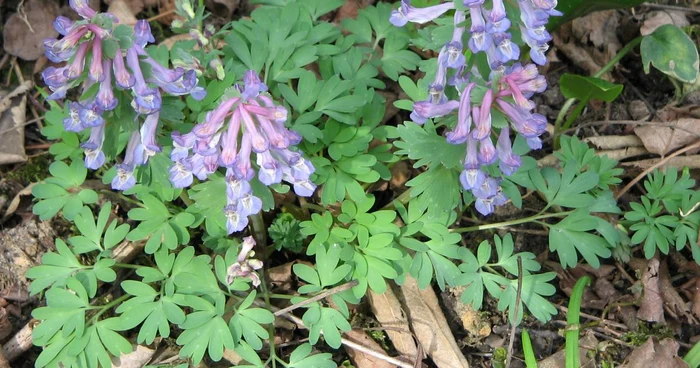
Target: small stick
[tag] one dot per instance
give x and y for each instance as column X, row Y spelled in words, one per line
column 517, row 310
column 656, row 165
column 603, row 321
column 329, row 292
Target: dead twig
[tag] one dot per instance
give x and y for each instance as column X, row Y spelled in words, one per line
column 651, row 168
column 518, row 295
column 329, row 292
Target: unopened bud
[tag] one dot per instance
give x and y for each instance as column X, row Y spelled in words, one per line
column 218, row 66
column 199, row 37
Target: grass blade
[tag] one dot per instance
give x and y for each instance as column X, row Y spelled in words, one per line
column 528, row 351
column 572, row 320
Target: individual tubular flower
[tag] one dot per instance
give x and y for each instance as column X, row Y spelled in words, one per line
column 245, row 265
column 406, row 13
column 245, row 135
column 134, row 157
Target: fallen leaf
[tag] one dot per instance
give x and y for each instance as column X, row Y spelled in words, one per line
column 611, row 142
column 25, row 41
column 281, row 276
column 655, row 354
column 691, row 162
column 12, row 123
column 134, row 6
column 430, row 326
column 673, row 302
column 223, row 8
column 350, row 8
column 123, row 11
column 658, row 18
column 696, row 297
column 360, row 359
column 652, row 306
column 389, row 313
column 664, row 139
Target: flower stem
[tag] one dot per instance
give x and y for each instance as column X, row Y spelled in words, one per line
column 510, row 223
column 108, row 306
column 570, row 102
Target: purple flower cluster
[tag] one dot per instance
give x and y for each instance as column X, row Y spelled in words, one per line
column 508, row 90
column 84, row 41
column 255, row 125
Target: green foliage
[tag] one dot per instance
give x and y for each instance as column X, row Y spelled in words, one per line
column 478, row 274
column 159, row 225
column 371, row 27
column 672, row 52
column 352, row 164
column 572, row 321
column 667, row 215
column 328, row 272
column 588, row 88
column 63, row 191
column 285, row 232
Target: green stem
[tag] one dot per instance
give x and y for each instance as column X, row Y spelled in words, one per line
column 126, row 265
column 271, row 327
column 108, row 306
column 314, row 207
column 186, row 198
column 403, row 198
column 510, row 223
column 606, row 68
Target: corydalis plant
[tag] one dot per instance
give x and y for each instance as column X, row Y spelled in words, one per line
column 508, row 88
column 255, row 125
column 115, row 53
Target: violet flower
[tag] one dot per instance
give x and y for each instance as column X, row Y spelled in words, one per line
column 508, row 89
column 406, row 13
column 245, row 135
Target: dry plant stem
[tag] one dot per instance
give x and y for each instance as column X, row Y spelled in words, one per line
column 327, row 293
column 161, row 15
column 652, row 168
column 602, row 321
column 518, row 295
column 346, row 342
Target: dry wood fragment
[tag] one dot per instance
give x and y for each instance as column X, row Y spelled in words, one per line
column 389, row 313
column 359, row 358
column 430, row 326
column 652, row 306
column 20, row 342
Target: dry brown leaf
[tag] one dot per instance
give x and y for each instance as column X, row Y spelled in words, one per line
column 12, row 123
column 658, row 18
column 281, row 276
column 613, row 142
column 134, row 6
column 652, row 306
column 389, row 313
column 558, row 360
column 691, row 162
column 655, row 354
column 360, row 359
column 223, row 8
column 25, row 31
column 661, row 140
column 696, row 297
column 124, row 12
column 673, row 302
column 430, row 326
